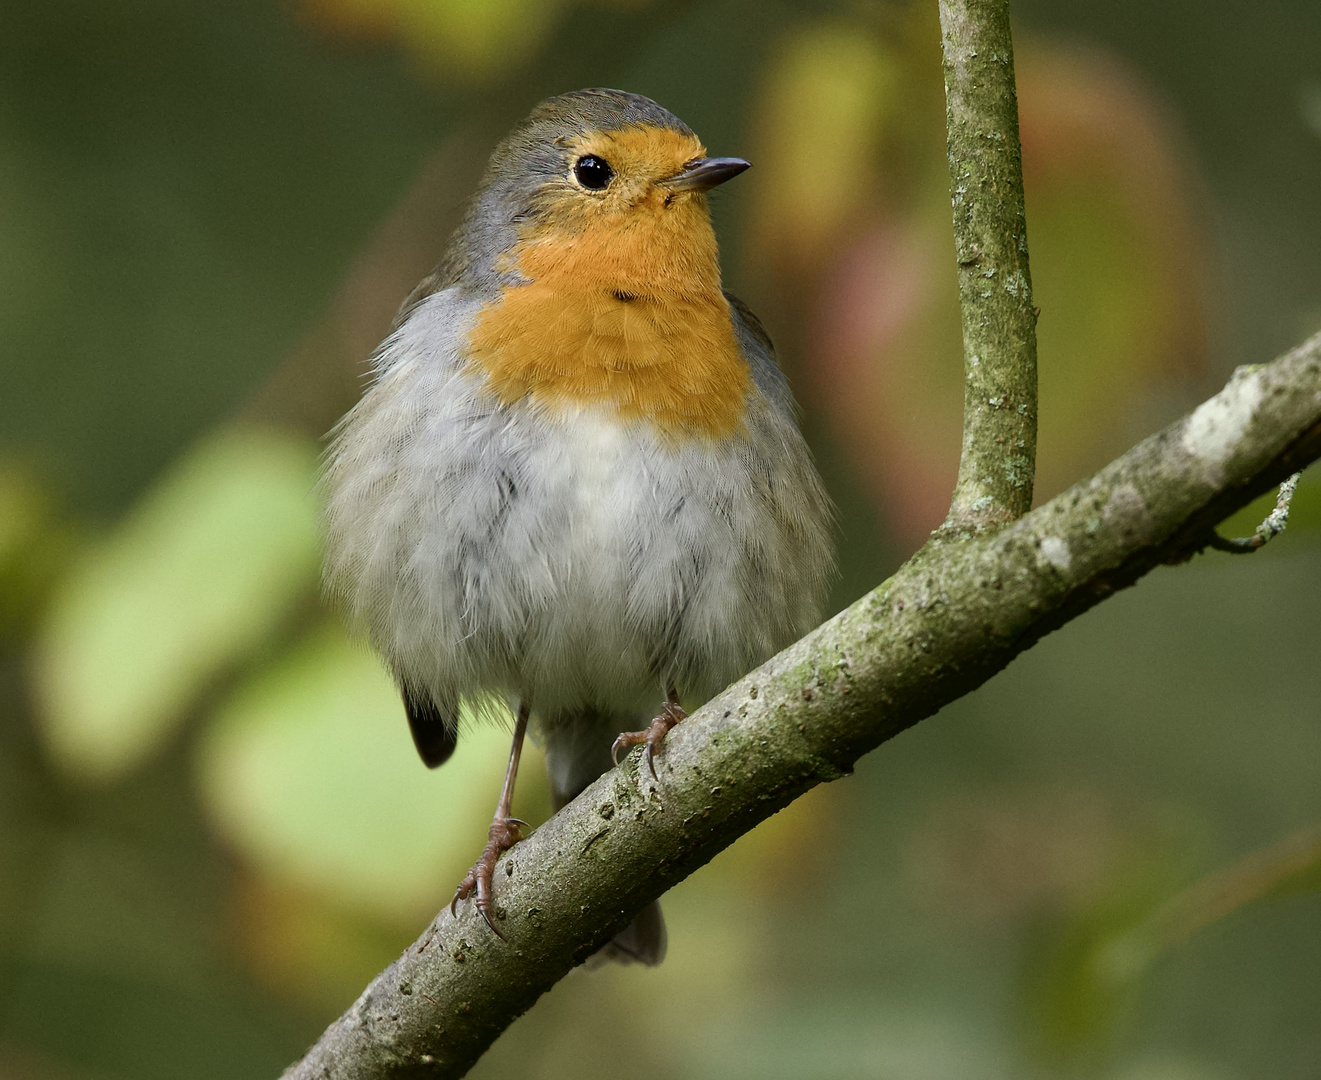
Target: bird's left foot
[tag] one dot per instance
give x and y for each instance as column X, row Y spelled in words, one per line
column 652, row 735
column 505, row 833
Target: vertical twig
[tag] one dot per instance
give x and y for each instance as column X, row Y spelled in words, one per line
column 998, row 461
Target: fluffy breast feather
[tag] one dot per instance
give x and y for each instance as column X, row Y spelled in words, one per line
column 559, row 551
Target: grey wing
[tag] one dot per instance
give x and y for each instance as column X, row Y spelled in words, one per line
column 760, row 350
column 787, row 481
column 413, row 482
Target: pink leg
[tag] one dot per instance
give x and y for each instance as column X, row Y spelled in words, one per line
column 503, row 835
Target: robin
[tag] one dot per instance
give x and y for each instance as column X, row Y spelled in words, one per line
column 575, row 487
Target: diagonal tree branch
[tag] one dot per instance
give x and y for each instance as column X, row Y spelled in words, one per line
column 949, row 619
column 998, row 462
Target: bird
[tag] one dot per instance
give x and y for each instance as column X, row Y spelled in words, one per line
column 575, row 490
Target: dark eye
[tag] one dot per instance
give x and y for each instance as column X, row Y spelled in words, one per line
column 593, row 172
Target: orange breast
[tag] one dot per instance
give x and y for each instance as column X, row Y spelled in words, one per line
column 626, row 314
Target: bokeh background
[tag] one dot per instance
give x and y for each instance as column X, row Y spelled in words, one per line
column 213, row 828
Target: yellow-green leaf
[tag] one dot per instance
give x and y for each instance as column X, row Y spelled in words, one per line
column 310, row 774
column 198, row 574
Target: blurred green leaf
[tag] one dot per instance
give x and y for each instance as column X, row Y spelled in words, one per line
column 834, row 89
column 1083, row 969
column 198, row 574
column 455, row 40
column 34, row 545
column 1090, row 969
column 1291, row 867
column 309, row 772
column 475, row 38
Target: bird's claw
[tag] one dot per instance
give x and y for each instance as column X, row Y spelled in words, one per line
column 504, row 834
column 651, row 736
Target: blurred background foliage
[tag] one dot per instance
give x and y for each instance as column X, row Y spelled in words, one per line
column 213, row 829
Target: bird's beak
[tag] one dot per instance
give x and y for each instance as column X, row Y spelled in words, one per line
column 702, row 174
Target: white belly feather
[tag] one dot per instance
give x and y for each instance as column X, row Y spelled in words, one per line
column 566, row 559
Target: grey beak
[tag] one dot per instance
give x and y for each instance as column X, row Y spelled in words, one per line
column 705, row 173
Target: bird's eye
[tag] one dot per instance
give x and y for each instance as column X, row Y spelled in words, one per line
column 593, row 173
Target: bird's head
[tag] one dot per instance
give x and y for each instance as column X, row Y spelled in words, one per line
column 602, row 184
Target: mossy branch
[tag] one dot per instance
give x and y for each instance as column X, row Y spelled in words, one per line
column 998, row 462
column 949, row 619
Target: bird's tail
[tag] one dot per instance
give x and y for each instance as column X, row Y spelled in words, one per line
column 641, row 942
column 577, row 752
